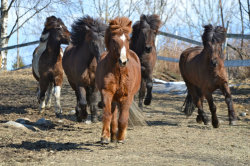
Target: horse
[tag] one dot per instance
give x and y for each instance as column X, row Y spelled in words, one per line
column 47, row 62
column 118, row 77
column 80, row 61
column 202, row 69
column 143, row 44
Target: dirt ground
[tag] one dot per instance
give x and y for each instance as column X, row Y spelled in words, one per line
column 169, row 139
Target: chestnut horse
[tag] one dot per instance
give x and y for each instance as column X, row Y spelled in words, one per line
column 143, row 44
column 203, row 71
column 118, row 77
column 80, row 61
column 47, row 62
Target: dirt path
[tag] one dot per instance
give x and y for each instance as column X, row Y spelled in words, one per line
column 170, row 138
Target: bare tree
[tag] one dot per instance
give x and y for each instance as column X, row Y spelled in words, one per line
column 29, row 10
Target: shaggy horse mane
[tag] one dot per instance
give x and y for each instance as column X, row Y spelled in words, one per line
column 152, row 21
column 83, row 25
column 118, row 26
column 215, row 35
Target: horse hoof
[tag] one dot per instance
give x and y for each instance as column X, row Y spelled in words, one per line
column 147, row 101
column 104, row 141
column 198, row 119
column 120, row 141
column 94, row 119
column 233, row 123
column 140, row 105
column 216, row 124
column 205, row 120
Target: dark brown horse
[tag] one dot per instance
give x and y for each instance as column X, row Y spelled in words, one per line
column 80, row 61
column 118, row 77
column 47, row 62
column 203, row 71
column 143, row 44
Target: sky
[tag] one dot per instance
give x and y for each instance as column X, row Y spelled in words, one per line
column 32, row 30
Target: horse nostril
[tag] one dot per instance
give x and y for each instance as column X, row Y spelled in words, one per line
column 122, row 63
column 148, row 49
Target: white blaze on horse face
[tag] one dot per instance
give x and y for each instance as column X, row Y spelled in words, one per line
column 123, row 56
column 41, row 48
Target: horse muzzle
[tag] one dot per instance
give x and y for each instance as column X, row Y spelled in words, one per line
column 122, row 63
column 148, row 49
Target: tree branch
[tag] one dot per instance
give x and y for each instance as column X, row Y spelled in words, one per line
column 11, row 2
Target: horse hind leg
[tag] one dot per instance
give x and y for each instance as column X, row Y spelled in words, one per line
column 43, row 88
column 212, row 108
column 189, row 106
column 48, row 96
column 142, row 92
column 195, row 97
column 148, row 97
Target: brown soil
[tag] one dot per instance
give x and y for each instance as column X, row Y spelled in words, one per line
column 169, row 139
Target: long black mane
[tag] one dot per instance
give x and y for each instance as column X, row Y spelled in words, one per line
column 215, row 35
column 83, row 25
column 153, row 21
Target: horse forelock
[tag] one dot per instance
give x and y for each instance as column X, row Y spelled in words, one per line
column 85, row 25
column 118, row 27
column 215, row 35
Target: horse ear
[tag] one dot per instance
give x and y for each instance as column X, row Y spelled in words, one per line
column 143, row 17
column 130, row 24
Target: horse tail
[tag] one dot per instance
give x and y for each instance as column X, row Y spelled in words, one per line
column 189, row 105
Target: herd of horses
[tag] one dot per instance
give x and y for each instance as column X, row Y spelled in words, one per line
column 107, row 59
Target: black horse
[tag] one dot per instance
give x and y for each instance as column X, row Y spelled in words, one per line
column 143, row 44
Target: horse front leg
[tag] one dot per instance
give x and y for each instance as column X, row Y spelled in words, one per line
column 91, row 95
column 212, row 108
column 114, row 122
column 142, row 92
column 201, row 117
column 228, row 98
column 149, row 85
column 106, row 117
column 81, row 108
column 123, row 119
column 57, row 94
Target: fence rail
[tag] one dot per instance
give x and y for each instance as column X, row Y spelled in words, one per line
column 227, row 63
